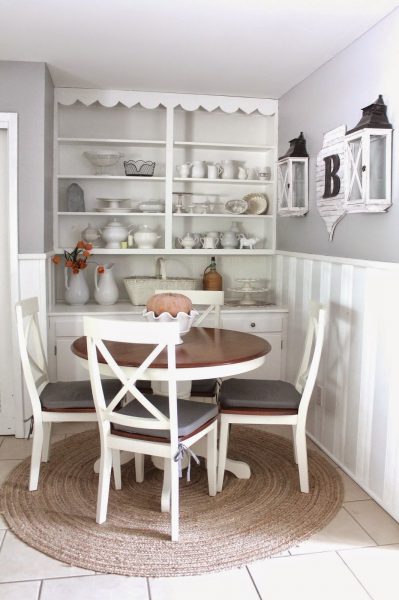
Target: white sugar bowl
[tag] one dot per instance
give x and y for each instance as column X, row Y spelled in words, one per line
column 146, row 239
column 114, row 233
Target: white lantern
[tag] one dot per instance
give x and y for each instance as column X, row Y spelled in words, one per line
column 292, row 180
column 368, row 161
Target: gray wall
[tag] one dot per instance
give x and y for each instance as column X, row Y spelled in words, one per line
column 332, row 96
column 26, row 88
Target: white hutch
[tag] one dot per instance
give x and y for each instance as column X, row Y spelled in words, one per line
column 170, row 129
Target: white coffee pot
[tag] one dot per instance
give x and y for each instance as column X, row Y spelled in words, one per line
column 229, row 169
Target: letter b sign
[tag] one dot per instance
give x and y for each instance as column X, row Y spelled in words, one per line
column 332, row 182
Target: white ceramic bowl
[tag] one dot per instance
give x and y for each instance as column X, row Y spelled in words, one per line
column 185, row 320
column 103, row 158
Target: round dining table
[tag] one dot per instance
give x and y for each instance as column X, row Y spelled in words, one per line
column 206, row 352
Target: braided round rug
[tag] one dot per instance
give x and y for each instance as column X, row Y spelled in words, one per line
column 249, row 520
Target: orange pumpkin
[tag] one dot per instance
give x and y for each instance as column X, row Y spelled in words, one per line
column 170, row 303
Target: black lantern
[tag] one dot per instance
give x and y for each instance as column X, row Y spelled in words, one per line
column 292, row 179
column 368, row 161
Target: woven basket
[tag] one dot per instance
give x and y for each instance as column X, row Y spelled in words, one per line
column 139, row 289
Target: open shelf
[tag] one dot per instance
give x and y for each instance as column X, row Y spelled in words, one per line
column 223, row 146
column 240, row 181
column 110, row 142
column 112, row 177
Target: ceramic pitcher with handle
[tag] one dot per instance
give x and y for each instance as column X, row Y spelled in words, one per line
column 105, row 289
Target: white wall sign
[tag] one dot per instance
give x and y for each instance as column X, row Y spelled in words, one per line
column 330, row 178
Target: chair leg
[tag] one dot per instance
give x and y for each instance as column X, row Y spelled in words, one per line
column 165, row 496
column 37, row 447
column 103, row 484
column 223, row 443
column 174, row 499
column 139, row 467
column 46, row 442
column 294, row 443
column 211, row 460
column 116, row 467
column 302, row 461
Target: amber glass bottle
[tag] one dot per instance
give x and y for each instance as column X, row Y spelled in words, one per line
column 212, row 280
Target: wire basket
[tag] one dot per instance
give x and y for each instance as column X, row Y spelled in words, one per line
column 139, row 289
column 139, row 168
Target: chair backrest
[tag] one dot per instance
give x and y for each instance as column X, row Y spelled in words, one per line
column 214, row 300
column 33, row 357
column 162, row 336
column 309, row 366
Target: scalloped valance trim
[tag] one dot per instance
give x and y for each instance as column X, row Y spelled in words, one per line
column 151, row 100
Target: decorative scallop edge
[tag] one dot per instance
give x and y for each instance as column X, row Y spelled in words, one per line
column 151, row 100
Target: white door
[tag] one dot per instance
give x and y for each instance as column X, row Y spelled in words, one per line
column 9, row 361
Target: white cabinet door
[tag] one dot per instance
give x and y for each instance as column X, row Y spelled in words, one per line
column 68, row 366
column 270, row 327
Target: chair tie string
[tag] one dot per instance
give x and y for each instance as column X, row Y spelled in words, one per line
column 30, row 425
column 178, row 457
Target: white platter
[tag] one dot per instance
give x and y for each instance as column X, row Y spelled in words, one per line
column 257, row 204
column 236, row 207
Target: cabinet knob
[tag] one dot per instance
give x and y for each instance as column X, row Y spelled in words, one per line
column 253, row 324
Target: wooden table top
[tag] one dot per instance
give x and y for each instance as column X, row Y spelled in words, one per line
column 202, row 347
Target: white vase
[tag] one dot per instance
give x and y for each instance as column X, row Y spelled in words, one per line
column 105, row 289
column 76, row 288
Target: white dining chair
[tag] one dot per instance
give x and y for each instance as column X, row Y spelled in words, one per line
column 160, row 426
column 58, row 402
column 270, row 402
column 213, row 300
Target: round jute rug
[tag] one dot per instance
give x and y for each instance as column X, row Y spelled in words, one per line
column 249, row 520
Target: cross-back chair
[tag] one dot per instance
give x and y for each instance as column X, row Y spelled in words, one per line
column 261, row 402
column 214, row 300
column 160, row 426
column 51, row 402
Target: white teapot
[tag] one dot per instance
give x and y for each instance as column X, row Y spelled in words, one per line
column 188, row 241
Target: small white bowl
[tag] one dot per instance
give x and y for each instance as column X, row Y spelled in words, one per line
column 185, row 320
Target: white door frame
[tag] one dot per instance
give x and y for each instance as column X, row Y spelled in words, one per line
column 9, row 122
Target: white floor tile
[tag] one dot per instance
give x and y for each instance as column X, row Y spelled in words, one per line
column 342, row 532
column 95, row 587
column 6, row 466
column 377, row 569
column 234, row 585
column 19, row 562
column 378, row 523
column 312, row 577
column 23, row 590
column 352, row 491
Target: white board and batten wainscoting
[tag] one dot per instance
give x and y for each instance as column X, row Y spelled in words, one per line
column 354, row 417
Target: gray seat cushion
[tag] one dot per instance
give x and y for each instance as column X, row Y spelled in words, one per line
column 75, row 395
column 204, row 387
column 258, row 394
column 191, row 416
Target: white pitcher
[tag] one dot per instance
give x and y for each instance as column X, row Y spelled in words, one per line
column 105, row 289
column 228, row 169
column 198, row 169
column 76, row 288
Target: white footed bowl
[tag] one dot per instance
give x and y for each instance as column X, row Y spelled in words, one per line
column 185, row 320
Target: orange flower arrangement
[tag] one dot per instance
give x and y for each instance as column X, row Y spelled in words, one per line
column 77, row 259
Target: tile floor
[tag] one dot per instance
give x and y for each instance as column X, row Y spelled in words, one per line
column 356, row 557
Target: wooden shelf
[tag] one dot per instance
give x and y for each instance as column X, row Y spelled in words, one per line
column 239, row 181
column 111, row 177
column 224, row 146
column 110, row 142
